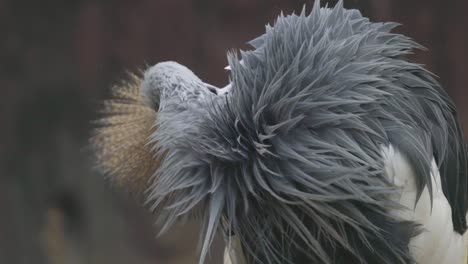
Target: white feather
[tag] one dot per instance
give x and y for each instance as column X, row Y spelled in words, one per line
column 438, row 243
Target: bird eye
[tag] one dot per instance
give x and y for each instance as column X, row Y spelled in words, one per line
column 212, row 89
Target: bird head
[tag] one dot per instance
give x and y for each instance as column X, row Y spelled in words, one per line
column 170, row 81
column 154, row 104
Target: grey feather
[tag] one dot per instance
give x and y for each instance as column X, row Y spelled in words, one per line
column 290, row 159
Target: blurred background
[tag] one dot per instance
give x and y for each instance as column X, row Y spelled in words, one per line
column 58, row 60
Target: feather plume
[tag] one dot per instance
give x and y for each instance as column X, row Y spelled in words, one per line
column 121, row 138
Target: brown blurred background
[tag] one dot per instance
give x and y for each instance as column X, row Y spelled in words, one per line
column 57, row 61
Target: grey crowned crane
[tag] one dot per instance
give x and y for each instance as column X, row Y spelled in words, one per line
column 327, row 146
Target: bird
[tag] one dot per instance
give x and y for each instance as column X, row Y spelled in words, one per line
column 328, row 145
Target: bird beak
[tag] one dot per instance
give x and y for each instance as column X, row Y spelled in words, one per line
column 233, row 253
column 228, row 68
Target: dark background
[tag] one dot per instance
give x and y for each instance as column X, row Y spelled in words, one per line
column 58, row 59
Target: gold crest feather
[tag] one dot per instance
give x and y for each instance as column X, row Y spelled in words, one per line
column 121, row 138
